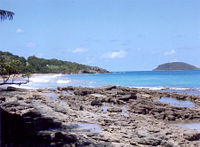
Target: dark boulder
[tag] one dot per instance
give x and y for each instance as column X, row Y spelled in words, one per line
column 128, row 97
column 68, row 138
column 96, row 103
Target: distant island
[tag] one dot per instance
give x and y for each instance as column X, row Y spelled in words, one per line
column 175, row 66
column 40, row 65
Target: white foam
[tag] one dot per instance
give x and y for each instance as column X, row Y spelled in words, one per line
column 56, row 75
column 157, row 88
column 44, row 78
column 169, row 88
column 177, row 88
column 39, row 80
column 151, row 88
column 22, row 86
column 63, row 81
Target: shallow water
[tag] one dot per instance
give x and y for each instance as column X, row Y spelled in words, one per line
column 63, row 101
column 176, row 103
column 192, row 126
column 52, row 95
column 67, row 92
column 104, row 108
column 123, row 111
column 94, row 128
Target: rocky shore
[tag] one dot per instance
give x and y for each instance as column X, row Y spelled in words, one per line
column 106, row 116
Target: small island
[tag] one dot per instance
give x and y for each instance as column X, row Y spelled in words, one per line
column 175, row 66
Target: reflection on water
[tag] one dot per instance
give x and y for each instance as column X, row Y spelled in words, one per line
column 176, row 103
column 52, row 95
column 64, row 102
column 193, row 126
column 94, row 128
column 123, row 111
column 105, row 108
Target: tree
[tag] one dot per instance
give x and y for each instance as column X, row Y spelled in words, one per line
column 8, row 71
column 6, row 15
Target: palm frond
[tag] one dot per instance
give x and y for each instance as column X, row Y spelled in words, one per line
column 6, row 15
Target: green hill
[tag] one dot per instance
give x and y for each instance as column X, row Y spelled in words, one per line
column 40, row 65
column 175, row 66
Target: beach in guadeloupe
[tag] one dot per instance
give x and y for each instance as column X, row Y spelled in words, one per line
column 89, row 73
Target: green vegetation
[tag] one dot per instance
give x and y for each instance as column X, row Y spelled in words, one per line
column 176, row 66
column 6, row 57
column 39, row 65
column 9, row 69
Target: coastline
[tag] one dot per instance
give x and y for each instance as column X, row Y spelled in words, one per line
column 109, row 116
column 60, row 80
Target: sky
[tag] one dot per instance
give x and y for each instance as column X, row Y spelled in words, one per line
column 118, row 35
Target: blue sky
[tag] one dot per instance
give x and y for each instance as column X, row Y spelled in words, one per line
column 119, row 35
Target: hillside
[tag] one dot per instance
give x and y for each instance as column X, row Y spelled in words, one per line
column 176, row 66
column 41, row 65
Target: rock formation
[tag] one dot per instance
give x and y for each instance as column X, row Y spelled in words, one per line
column 106, row 116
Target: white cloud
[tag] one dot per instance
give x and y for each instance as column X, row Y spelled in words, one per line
column 31, row 44
column 19, row 30
column 170, row 53
column 116, row 54
column 79, row 50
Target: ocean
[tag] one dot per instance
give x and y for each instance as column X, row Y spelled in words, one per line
column 156, row 80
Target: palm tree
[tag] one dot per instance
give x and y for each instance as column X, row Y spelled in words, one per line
column 6, row 15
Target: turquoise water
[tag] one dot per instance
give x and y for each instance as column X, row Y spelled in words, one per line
column 176, row 103
column 189, row 79
column 147, row 79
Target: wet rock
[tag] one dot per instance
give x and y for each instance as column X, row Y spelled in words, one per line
column 9, row 88
column 60, row 88
column 171, row 118
column 19, row 98
column 127, row 97
column 167, row 144
column 2, row 99
column 10, row 104
column 150, row 141
column 69, row 138
column 108, row 87
column 96, row 102
column 114, row 109
column 193, row 137
column 70, row 88
column 82, row 92
column 81, row 108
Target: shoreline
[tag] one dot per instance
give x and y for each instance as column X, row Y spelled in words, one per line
column 161, row 87
column 109, row 116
